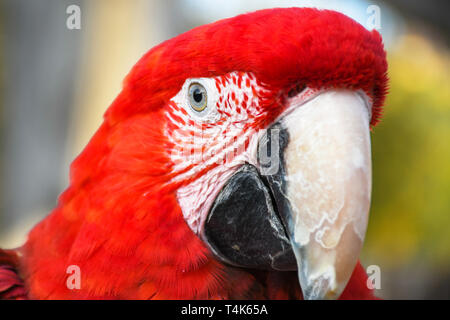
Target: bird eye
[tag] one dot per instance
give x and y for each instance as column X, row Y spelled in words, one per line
column 197, row 97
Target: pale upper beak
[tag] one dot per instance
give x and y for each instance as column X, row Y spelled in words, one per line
column 328, row 188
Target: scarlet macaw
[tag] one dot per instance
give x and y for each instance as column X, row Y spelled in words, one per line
column 235, row 163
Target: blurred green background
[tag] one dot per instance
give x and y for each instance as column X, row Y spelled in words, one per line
column 409, row 229
column 56, row 83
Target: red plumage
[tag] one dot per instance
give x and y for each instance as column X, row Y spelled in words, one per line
column 119, row 219
column 11, row 286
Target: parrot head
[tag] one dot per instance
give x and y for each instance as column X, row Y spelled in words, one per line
column 239, row 145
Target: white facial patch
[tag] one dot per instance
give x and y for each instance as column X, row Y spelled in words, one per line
column 210, row 145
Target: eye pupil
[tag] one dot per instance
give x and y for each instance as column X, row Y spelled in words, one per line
column 198, row 95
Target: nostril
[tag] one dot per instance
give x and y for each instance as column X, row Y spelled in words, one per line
column 295, row 90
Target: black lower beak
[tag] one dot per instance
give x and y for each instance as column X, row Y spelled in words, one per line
column 243, row 227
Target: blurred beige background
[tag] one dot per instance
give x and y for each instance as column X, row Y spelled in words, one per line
column 56, row 84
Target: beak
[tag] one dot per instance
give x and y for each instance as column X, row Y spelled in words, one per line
column 309, row 211
column 327, row 188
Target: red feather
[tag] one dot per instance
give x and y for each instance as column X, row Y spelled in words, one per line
column 11, row 285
